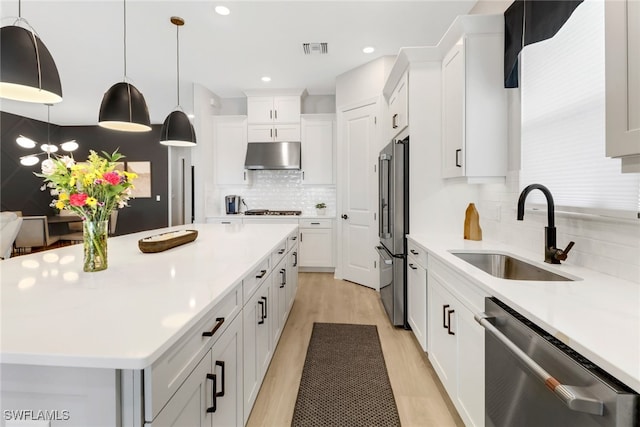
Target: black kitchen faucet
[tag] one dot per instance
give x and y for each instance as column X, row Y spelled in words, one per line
column 552, row 255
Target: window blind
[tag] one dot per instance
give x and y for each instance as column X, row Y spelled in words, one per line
column 563, row 121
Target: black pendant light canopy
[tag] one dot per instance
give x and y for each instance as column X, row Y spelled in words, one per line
column 123, row 106
column 27, row 69
column 177, row 129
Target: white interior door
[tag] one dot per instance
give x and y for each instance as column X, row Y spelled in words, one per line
column 358, row 183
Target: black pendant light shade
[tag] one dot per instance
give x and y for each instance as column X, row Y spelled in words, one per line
column 124, row 108
column 177, row 130
column 27, row 70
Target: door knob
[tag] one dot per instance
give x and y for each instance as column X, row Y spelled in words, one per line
column 345, row 216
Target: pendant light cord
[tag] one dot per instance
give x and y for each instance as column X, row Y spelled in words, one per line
column 178, row 62
column 125, row 38
column 19, row 8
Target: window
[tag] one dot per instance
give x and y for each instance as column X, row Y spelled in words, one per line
column 563, row 120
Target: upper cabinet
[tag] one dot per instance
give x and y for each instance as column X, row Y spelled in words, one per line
column 474, row 101
column 273, row 117
column 230, row 149
column 399, row 106
column 317, row 148
column 622, row 56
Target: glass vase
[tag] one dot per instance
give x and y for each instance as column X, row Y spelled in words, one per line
column 94, row 234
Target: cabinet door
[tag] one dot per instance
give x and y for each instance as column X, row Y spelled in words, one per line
column 470, row 399
column 286, row 109
column 285, row 133
column 442, row 345
column 417, row 301
column 226, row 361
column 316, row 247
column 399, row 107
column 188, row 406
column 260, row 133
column 453, row 112
column 260, row 109
column 317, row 150
column 279, row 286
column 230, row 149
column 292, row 276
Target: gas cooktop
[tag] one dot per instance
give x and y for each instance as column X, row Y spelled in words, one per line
column 268, row 212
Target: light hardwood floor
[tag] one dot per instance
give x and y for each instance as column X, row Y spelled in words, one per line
column 420, row 398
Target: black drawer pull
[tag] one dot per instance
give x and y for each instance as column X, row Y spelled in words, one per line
column 394, row 121
column 221, row 364
column 315, row 223
column 261, row 321
column 214, row 393
column 294, row 237
column 283, row 272
column 413, row 267
column 444, row 316
column 219, row 322
column 261, row 275
column 414, row 252
column 281, row 251
column 295, row 259
column 458, row 151
column 266, row 309
column 449, row 313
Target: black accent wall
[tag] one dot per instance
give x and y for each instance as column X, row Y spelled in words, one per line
column 20, row 188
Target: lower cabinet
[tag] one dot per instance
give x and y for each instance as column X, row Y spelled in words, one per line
column 292, row 275
column 456, row 348
column 417, row 300
column 316, row 243
column 212, row 394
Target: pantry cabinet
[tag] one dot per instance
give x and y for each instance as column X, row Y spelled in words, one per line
column 318, row 142
column 230, row 150
column 474, row 103
column 456, row 341
column 622, row 64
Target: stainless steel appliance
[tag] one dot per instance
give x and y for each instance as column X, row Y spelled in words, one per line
column 533, row 379
column 232, row 204
column 273, row 155
column 393, row 220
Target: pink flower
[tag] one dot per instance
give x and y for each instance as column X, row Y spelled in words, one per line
column 112, row 178
column 78, row 199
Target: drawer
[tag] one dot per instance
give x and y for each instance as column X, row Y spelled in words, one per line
column 292, row 240
column 278, row 254
column 418, row 253
column 224, row 220
column 315, row 223
column 165, row 376
column 253, row 280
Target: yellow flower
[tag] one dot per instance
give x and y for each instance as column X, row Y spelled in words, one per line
column 91, row 201
column 130, row 176
column 60, row 204
column 63, row 196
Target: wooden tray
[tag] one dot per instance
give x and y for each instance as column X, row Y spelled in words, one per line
column 162, row 242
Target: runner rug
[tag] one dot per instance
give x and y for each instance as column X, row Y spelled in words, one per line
column 344, row 380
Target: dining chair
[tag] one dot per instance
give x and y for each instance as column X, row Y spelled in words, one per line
column 34, row 232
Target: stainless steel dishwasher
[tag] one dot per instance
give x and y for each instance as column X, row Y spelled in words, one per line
column 533, row 379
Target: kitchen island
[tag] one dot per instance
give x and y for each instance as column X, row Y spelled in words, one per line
column 108, row 333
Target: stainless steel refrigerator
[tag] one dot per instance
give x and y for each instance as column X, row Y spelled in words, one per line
column 393, row 221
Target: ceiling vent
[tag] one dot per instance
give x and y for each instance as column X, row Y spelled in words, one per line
column 315, row 48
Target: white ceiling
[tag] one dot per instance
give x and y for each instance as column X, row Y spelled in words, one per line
column 226, row 54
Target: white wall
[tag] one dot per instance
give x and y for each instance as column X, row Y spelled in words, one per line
column 363, row 83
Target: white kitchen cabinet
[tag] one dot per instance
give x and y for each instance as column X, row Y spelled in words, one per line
column 417, row 292
column 292, row 271
column 230, row 150
column 273, row 133
column 317, row 147
column 622, row 62
column 223, row 220
column 399, row 106
column 273, row 118
column 474, row 107
column 316, row 243
column 280, row 301
column 456, row 342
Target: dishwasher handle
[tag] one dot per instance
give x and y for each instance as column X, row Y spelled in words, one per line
column 573, row 397
column 384, row 255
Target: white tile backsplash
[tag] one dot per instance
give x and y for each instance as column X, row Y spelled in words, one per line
column 276, row 190
column 606, row 245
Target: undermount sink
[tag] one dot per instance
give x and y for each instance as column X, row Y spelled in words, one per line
column 504, row 266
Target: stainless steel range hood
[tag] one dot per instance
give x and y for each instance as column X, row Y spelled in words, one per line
column 273, row 155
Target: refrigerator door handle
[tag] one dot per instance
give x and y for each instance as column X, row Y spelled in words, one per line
column 384, row 255
column 384, row 174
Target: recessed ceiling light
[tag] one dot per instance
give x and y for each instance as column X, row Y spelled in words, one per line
column 266, row 79
column 222, row 10
column 368, row 49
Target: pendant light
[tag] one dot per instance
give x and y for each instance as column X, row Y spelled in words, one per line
column 123, row 106
column 48, row 148
column 177, row 129
column 27, row 70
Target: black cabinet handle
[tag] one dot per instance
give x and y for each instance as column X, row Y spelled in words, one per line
column 281, row 251
column 271, row 114
column 276, row 116
column 394, row 121
column 261, row 275
column 226, row 222
column 294, row 237
column 261, row 321
column 219, row 322
column 270, row 133
column 214, row 393
column 266, row 309
column 344, row 216
column 458, row 151
column 221, row 364
column 315, row 223
column 413, row 267
column 295, row 259
column 414, row 252
column 276, row 128
column 283, row 272
column 444, row 316
column 449, row 313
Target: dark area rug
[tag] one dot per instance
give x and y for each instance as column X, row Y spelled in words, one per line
column 344, row 380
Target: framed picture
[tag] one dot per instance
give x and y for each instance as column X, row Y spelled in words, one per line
column 142, row 184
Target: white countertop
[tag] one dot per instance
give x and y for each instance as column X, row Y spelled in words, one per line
column 125, row 317
column 598, row 316
column 302, row 216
